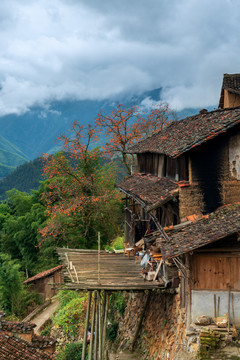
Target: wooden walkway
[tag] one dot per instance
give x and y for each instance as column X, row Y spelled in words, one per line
column 117, row 272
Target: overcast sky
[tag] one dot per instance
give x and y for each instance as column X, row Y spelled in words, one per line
column 95, row 49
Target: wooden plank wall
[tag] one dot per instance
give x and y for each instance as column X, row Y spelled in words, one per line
column 216, row 271
column 161, row 165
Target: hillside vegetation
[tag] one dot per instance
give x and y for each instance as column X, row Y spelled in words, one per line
column 25, row 177
column 10, row 157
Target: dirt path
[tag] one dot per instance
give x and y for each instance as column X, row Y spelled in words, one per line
column 40, row 318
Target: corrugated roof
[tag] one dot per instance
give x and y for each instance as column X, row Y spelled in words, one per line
column 44, row 274
column 222, row 223
column 150, row 191
column 181, row 136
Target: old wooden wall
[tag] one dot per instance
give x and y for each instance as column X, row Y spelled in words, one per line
column 161, row 165
column 215, row 271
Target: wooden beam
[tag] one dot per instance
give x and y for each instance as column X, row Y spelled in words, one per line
column 96, row 331
column 188, row 290
column 86, row 325
column 99, row 327
column 92, row 325
column 105, row 322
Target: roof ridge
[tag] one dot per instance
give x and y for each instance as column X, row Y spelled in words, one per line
column 182, row 135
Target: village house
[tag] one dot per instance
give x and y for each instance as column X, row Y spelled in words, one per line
column 230, row 93
column 44, row 281
column 184, row 201
column 18, row 341
column 191, row 167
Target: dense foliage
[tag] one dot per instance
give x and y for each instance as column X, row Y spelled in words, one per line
column 72, row 316
column 14, row 297
column 72, row 351
column 80, row 193
column 21, row 216
column 25, row 177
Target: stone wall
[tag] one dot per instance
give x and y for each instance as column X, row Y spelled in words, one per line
column 231, row 192
column 190, row 200
column 162, row 334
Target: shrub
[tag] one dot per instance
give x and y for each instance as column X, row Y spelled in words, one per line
column 72, row 351
column 112, row 332
column 117, row 303
column 65, row 296
column 118, row 243
column 70, row 317
column 46, row 328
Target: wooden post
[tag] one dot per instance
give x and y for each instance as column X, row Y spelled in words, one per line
column 103, row 307
column 86, row 326
column 105, row 323
column 96, row 330
column 100, row 328
column 92, row 326
column 188, row 290
column 99, row 249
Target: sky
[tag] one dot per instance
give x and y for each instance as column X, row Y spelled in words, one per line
column 78, row 50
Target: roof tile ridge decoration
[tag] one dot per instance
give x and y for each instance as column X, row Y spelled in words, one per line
column 42, row 341
column 217, row 225
column 16, row 348
column 21, row 327
column 43, row 274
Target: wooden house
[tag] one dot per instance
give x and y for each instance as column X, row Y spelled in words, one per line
column 191, row 167
column 209, row 250
column 230, row 92
column 42, row 282
column 186, row 192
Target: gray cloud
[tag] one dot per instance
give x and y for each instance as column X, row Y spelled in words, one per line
column 66, row 49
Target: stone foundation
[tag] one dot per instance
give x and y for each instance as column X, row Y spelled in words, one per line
column 163, row 330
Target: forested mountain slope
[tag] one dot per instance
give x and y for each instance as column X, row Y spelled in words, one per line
column 25, row 177
column 10, row 157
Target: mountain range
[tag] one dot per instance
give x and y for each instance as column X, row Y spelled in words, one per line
column 29, row 135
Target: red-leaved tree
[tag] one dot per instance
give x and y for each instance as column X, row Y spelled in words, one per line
column 80, row 194
column 126, row 125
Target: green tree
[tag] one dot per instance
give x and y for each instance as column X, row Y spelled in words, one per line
column 21, row 216
column 14, row 298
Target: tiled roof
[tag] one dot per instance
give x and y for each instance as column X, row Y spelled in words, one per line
column 44, row 274
column 231, row 82
column 181, row 136
column 18, row 327
column 223, row 222
column 14, row 348
column 148, row 190
column 42, row 342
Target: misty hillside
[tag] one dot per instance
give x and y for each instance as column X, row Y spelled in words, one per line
column 10, row 157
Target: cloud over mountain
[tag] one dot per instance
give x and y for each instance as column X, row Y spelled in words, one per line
column 75, row 49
